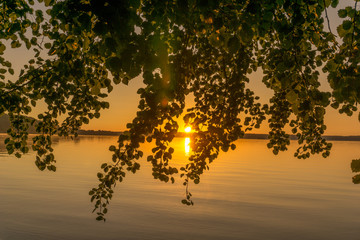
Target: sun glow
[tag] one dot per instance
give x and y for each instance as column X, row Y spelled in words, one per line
column 188, row 129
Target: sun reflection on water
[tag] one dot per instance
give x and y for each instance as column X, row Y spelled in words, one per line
column 187, row 146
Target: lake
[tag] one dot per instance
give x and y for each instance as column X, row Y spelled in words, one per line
column 248, row 194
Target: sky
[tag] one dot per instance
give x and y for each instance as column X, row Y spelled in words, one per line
column 124, row 99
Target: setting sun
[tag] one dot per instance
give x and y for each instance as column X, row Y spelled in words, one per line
column 188, row 129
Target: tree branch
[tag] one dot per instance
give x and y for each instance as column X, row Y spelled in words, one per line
column 17, row 87
column 327, row 18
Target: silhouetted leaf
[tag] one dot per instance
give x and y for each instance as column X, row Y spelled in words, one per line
column 355, row 165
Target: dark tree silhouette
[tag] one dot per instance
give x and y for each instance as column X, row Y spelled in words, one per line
column 204, row 47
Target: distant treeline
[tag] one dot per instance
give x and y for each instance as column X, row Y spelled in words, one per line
column 98, row 132
column 292, row 137
column 5, row 124
column 342, row 138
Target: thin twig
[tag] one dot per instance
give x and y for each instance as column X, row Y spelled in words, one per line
column 327, row 18
column 354, row 25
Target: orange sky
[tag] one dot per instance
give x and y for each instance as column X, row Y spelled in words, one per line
column 124, row 100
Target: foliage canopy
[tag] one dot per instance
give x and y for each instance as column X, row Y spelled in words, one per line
column 204, row 47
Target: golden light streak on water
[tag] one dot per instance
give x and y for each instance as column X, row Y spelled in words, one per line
column 187, row 146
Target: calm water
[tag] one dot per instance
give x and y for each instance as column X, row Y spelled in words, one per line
column 247, row 194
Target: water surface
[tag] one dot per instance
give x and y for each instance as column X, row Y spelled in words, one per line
column 247, row 194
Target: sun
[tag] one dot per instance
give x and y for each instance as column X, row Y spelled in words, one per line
column 188, row 129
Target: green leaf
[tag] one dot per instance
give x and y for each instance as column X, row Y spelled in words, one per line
column 356, row 179
column 47, row 2
column 347, row 25
column 334, row 3
column 2, row 48
column 95, row 90
column 342, row 13
column 291, row 96
column 319, row 112
column 111, row 44
column 114, row 64
column 233, row 44
column 246, row 33
column 125, row 81
column 135, row 3
column 100, row 28
column 355, row 165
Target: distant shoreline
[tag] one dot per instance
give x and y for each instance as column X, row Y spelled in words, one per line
column 247, row 136
column 183, row 134
column 5, row 124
